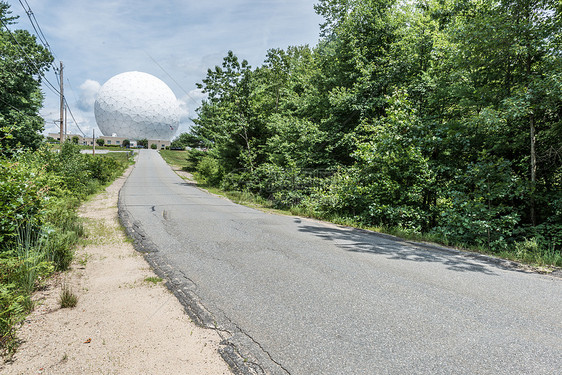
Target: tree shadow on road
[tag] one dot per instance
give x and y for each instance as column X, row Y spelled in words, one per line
column 188, row 183
column 363, row 241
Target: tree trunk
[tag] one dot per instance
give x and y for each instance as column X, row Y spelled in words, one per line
column 533, row 168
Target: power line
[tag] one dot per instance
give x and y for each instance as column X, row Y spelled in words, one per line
column 72, row 115
column 172, row 78
column 34, row 66
column 30, row 61
column 43, row 40
column 75, row 98
column 72, row 89
column 31, row 17
column 38, row 30
column 41, row 36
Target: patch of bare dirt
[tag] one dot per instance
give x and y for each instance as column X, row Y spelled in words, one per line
column 126, row 321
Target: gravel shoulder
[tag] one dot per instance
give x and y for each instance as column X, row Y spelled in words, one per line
column 126, row 321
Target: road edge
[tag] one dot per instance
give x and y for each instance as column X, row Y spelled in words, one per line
column 241, row 363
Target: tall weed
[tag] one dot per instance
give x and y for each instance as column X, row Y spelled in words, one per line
column 33, row 257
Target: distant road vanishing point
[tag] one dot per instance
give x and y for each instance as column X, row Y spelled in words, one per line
column 298, row 296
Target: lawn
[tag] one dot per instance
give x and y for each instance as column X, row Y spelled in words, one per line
column 175, row 158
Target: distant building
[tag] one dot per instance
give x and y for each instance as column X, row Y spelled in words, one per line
column 110, row 141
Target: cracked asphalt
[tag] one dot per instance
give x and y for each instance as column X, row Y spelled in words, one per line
column 298, row 296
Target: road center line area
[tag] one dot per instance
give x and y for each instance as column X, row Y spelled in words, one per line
column 299, row 296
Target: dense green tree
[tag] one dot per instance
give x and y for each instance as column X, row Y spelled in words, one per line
column 186, row 140
column 509, row 51
column 23, row 62
column 435, row 116
column 226, row 122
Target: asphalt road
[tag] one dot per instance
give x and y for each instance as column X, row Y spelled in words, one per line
column 298, row 296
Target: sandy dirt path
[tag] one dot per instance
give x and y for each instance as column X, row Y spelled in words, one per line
column 126, row 321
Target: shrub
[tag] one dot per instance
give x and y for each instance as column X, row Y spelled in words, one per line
column 209, row 169
column 103, row 168
column 12, row 312
column 194, row 156
column 21, row 196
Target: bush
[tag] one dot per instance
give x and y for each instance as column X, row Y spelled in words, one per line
column 153, row 146
column 194, row 156
column 39, row 227
column 21, row 269
column 209, row 169
column 22, row 195
column 474, row 210
column 12, row 312
column 103, row 168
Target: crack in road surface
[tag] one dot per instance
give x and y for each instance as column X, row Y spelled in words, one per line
column 185, row 290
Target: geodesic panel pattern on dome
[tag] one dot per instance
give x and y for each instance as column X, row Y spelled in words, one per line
column 137, row 105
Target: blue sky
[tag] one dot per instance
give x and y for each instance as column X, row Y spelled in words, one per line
column 97, row 39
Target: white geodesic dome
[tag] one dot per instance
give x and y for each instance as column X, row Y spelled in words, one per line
column 137, row 105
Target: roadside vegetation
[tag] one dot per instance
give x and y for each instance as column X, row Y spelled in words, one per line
column 430, row 119
column 40, row 188
column 39, row 228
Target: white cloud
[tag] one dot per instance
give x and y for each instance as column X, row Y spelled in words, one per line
column 88, row 93
column 197, row 95
column 189, row 103
column 184, row 110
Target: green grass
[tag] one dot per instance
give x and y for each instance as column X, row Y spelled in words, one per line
column 117, row 155
column 84, row 259
column 175, row 158
column 55, row 146
column 526, row 253
column 153, row 280
column 112, row 148
column 67, row 298
column 124, row 158
column 97, row 232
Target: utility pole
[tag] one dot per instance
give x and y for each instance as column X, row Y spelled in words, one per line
column 65, row 121
column 94, row 141
column 61, row 106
